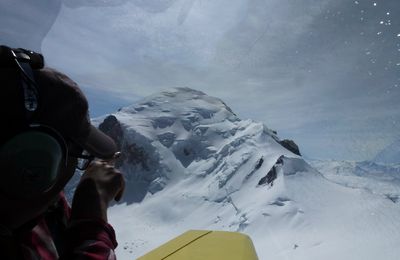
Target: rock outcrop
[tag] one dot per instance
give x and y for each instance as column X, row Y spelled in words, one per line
column 291, row 146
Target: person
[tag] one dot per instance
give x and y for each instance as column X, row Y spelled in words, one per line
column 36, row 221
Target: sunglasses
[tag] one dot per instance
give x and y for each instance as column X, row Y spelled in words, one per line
column 84, row 160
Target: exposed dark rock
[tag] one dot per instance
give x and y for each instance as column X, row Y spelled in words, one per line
column 272, row 174
column 280, row 160
column 291, row 146
column 133, row 154
column 112, row 127
column 130, row 153
column 393, row 198
column 167, row 139
column 256, row 167
column 186, row 151
column 259, row 163
column 163, row 122
column 228, row 108
column 269, row 178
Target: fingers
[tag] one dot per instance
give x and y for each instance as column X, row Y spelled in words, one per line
column 121, row 191
column 109, row 180
column 112, row 160
column 119, row 183
column 97, row 167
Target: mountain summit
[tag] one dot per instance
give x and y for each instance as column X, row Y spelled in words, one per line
column 191, row 163
column 183, row 132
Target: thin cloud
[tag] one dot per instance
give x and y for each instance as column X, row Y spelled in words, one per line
column 314, row 70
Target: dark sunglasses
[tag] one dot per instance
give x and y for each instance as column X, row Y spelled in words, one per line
column 84, row 160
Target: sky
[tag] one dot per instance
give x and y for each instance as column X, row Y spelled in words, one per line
column 325, row 73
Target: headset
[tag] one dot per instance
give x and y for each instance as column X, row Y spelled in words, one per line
column 31, row 160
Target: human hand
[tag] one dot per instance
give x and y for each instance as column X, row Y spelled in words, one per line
column 99, row 185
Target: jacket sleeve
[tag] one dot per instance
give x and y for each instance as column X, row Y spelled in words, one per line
column 91, row 239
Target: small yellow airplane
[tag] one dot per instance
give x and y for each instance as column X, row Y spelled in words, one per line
column 205, row 245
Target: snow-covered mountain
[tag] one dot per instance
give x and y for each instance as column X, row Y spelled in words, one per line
column 191, row 163
column 389, row 155
column 378, row 178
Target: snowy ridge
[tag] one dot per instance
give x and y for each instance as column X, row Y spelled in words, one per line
column 380, row 179
column 191, row 163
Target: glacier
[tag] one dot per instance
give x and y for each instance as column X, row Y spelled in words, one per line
column 191, row 163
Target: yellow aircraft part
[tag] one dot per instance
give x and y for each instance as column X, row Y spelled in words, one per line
column 205, row 245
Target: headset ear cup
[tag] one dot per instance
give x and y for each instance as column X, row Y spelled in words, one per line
column 29, row 164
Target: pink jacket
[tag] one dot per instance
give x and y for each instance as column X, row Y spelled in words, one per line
column 54, row 237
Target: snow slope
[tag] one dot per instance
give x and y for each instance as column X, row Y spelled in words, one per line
column 191, row 163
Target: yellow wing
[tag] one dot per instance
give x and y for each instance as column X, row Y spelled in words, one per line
column 205, row 245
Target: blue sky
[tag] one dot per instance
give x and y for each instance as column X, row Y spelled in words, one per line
column 325, row 73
